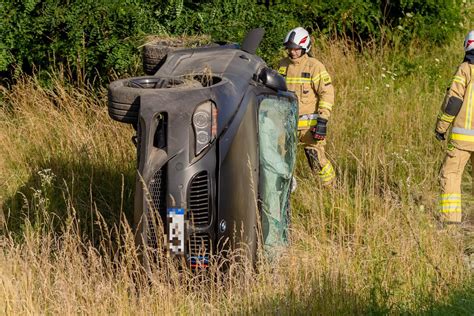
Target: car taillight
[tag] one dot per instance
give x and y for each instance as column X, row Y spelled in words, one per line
column 205, row 125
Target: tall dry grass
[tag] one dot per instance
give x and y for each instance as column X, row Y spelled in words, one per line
column 369, row 245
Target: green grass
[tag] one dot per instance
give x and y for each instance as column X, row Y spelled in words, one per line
column 368, row 246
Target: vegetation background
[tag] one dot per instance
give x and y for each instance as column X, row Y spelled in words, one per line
column 370, row 246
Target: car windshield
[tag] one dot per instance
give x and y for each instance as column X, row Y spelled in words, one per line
column 278, row 119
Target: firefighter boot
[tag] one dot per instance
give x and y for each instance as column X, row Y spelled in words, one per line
column 319, row 163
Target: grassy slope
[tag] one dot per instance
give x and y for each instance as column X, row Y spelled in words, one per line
column 368, row 246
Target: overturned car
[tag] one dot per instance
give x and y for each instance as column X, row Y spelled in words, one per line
column 216, row 148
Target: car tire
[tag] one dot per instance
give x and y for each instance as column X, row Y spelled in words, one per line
column 153, row 54
column 123, row 102
column 124, row 95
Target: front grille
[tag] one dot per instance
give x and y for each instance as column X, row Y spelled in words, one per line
column 199, row 245
column 199, row 200
column 157, row 190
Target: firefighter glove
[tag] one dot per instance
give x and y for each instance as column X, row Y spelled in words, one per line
column 440, row 136
column 319, row 131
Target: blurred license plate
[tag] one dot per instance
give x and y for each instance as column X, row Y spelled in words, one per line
column 176, row 224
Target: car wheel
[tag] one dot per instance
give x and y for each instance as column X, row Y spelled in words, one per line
column 124, row 95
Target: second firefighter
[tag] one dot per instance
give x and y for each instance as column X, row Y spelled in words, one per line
column 457, row 112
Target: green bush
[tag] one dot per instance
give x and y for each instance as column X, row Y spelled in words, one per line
column 89, row 37
column 94, row 37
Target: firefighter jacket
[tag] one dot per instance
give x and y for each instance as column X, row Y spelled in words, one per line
column 308, row 78
column 458, row 109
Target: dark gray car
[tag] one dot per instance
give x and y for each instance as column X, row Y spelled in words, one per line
column 216, row 146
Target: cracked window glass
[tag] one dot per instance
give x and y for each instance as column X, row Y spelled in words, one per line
column 278, row 123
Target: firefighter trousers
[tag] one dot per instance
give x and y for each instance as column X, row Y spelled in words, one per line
column 449, row 203
column 316, row 155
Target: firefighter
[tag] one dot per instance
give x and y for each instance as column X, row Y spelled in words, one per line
column 457, row 110
column 309, row 79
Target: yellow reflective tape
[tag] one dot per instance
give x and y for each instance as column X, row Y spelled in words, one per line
column 326, row 78
column 445, row 203
column 446, row 117
column 307, row 123
column 328, row 177
column 282, row 70
column 448, row 195
column 327, row 172
column 316, row 79
column 461, row 137
column 298, row 80
column 460, row 80
column 326, row 166
column 470, row 98
column 452, row 199
column 469, row 108
column 325, row 105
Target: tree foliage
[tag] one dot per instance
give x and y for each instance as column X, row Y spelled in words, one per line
column 93, row 37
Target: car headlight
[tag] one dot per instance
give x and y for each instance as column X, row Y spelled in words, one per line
column 205, row 125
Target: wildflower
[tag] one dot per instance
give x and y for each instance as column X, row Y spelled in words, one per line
column 400, row 27
column 383, row 76
column 366, row 88
column 383, row 68
column 437, row 60
column 387, row 85
column 409, row 14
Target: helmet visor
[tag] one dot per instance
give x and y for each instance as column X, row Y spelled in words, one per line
column 290, row 44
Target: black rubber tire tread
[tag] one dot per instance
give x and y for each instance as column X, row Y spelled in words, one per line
column 124, row 106
column 153, row 54
column 123, row 113
column 124, row 101
column 123, row 118
column 119, row 92
column 150, row 69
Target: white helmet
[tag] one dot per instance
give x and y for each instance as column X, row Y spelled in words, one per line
column 469, row 41
column 298, row 38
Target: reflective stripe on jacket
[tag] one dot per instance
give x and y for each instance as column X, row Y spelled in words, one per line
column 311, row 82
column 307, row 121
column 462, row 91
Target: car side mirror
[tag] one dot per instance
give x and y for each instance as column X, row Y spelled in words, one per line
column 272, row 79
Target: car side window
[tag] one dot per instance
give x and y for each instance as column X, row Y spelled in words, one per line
column 278, row 122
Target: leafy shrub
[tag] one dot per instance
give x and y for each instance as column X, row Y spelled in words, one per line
column 88, row 36
column 103, row 37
